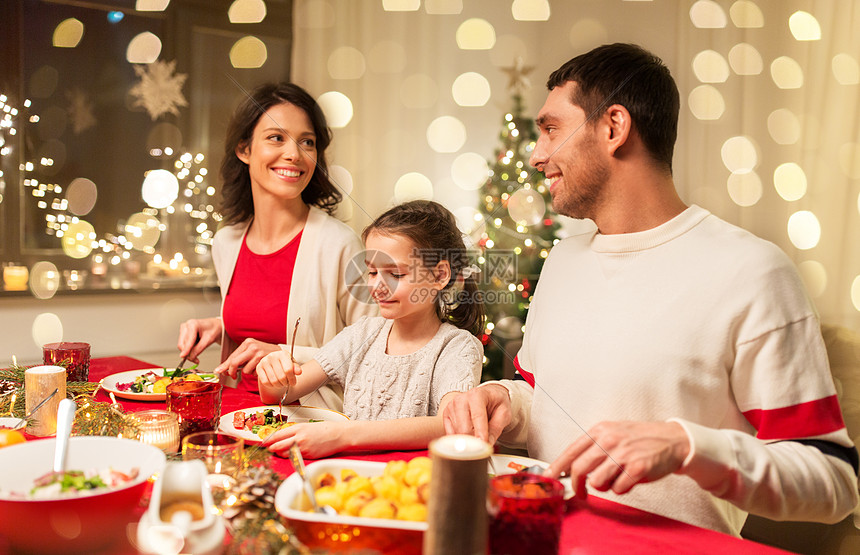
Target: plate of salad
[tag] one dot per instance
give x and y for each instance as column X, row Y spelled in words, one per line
column 149, row 384
column 257, row 423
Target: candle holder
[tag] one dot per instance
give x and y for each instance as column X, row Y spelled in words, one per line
column 196, row 404
column 39, row 383
column 222, row 455
column 15, row 278
column 74, row 356
column 159, row 428
column 526, row 511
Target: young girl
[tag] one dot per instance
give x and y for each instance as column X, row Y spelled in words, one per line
column 397, row 369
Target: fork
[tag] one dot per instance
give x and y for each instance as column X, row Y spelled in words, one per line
column 293, row 360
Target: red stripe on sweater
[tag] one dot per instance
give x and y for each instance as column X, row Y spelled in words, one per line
column 527, row 376
column 813, row 418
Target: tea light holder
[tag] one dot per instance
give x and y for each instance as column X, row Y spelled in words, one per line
column 15, row 278
column 456, row 510
column 159, row 428
column 74, row 355
column 39, row 382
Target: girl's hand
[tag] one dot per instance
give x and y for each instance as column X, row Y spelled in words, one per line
column 277, row 370
column 246, row 357
column 315, row 439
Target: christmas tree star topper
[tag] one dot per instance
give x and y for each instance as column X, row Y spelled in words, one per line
column 518, row 81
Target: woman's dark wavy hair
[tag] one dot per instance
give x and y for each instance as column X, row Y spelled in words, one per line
column 236, row 201
column 433, row 230
column 628, row 75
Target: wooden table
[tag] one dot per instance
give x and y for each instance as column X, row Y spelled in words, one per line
column 590, row 526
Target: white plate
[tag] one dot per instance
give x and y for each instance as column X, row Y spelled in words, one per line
column 293, row 413
column 501, row 463
column 109, row 384
column 8, row 421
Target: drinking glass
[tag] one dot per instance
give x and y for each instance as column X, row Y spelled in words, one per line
column 222, row 455
column 526, row 511
column 196, row 404
column 75, row 356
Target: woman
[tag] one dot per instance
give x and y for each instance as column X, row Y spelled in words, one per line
column 279, row 255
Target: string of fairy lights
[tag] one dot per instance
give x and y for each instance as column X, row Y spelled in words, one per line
column 140, row 231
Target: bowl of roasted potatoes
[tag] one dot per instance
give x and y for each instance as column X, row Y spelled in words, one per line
column 380, row 506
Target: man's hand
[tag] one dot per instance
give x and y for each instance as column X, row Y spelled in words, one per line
column 618, row 455
column 246, row 356
column 483, row 412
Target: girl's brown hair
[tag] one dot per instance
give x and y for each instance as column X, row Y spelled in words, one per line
column 433, row 231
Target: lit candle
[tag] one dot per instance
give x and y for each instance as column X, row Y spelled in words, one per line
column 15, row 278
column 159, row 428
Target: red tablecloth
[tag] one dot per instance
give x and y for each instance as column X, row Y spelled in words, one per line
column 590, row 526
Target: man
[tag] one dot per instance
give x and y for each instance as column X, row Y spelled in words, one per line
column 668, row 350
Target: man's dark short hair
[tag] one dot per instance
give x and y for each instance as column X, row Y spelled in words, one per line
column 628, row 75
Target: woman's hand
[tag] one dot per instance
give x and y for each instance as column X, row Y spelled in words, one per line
column 277, row 370
column 197, row 334
column 315, row 439
column 246, row 357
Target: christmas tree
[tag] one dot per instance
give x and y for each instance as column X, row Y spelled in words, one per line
column 518, row 232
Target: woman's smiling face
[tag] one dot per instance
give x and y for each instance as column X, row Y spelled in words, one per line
column 281, row 155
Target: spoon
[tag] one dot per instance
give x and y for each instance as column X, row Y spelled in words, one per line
column 299, row 465
column 23, row 421
column 65, row 417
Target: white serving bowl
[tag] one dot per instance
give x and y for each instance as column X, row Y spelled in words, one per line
column 345, row 534
column 78, row 524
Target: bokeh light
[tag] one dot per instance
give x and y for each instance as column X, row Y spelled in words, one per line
column 739, row 154
column 446, row 134
column 469, row 171
column 709, row 66
column 163, row 136
column 707, row 14
column 413, row 186
column 419, row 91
column 144, row 48
column 386, row 56
column 44, row 279
column 804, row 26
column 443, row 7
column 247, row 11
column 526, row 207
column 341, row 178
column 81, row 195
column 68, row 33
column 744, row 59
column 804, row 230
column 530, row 10
column 337, row 108
column 470, row 221
column 845, row 69
column 789, row 180
column 151, row 5
column 78, row 239
column 746, row 15
column 142, row 231
column 160, row 188
column 744, row 188
column 471, row 89
column 248, row 53
column 814, row 276
column 476, row 34
column 706, row 103
column 786, row 73
column 401, row 5
column 47, row 328
column 346, row 62
column 783, row 126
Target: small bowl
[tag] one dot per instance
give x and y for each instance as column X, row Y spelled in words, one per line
column 72, row 524
column 346, row 534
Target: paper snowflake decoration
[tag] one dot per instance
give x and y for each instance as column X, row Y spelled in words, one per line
column 80, row 111
column 159, row 90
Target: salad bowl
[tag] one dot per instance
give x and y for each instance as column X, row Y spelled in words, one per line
column 78, row 522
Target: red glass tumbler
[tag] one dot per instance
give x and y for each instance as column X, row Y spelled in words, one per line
column 526, row 511
column 196, row 404
column 75, row 357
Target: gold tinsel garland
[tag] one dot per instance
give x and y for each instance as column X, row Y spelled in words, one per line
column 248, row 506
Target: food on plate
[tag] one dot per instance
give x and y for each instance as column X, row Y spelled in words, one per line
column 263, row 423
column 9, row 436
column 74, row 483
column 151, row 382
column 527, row 486
column 400, row 493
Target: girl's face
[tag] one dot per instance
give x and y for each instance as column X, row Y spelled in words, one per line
column 281, row 154
column 400, row 283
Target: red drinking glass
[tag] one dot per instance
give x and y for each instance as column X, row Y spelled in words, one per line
column 525, row 512
column 196, row 404
column 74, row 356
